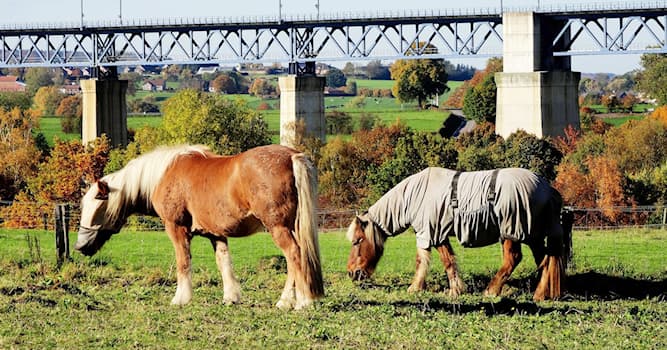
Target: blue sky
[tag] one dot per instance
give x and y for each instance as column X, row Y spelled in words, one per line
column 39, row 11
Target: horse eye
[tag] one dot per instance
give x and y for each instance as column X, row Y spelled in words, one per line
column 358, row 241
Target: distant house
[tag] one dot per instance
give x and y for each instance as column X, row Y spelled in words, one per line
column 75, row 74
column 154, row 85
column 207, row 70
column 70, row 89
column 10, row 83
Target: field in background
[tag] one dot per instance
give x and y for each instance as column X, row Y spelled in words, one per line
column 386, row 109
column 120, row 298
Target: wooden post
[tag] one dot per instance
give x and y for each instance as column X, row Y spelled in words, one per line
column 62, row 212
column 664, row 218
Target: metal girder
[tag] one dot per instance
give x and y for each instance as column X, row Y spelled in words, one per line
column 577, row 29
column 630, row 34
column 423, row 37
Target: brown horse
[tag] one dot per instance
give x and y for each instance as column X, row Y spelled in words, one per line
column 510, row 206
column 196, row 192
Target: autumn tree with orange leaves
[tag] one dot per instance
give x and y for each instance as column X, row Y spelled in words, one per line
column 61, row 178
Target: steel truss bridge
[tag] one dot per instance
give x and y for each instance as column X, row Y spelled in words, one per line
column 596, row 28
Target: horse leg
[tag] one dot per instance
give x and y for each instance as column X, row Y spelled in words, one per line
column 422, row 263
column 538, row 251
column 511, row 258
column 232, row 288
column 180, row 238
column 456, row 285
column 295, row 293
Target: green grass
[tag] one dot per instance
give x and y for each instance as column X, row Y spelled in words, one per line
column 120, row 298
column 387, row 109
column 50, row 127
column 618, row 121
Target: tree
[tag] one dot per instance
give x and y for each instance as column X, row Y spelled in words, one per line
column 652, row 80
column 376, row 71
column 628, row 102
column 223, row 84
column 351, row 87
column 59, row 179
column 413, row 152
column 479, row 103
column 18, row 153
column 418, row 79
column 47, row 99
column 349, row 70
column 10, row 100
column 227, row 126
column 133, row 79
column 261, row 87
column 610, row 102
column 524, row 150
column 36, row 78
column 335, row 77
column 70, row 106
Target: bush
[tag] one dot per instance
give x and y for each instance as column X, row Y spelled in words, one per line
column 226, row 125
column 264, row 106
column 367, row 121
column 70, row 124
column 339, row 123
column 523, row 150
column 413, row 153
column 357, row 102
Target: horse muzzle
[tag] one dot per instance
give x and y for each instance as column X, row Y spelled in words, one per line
column 89, row 241
column 358, row 275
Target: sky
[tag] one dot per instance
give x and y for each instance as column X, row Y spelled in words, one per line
column 60, row 11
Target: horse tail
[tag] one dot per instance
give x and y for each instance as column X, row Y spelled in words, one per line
column 557, row 252
column 305, row 225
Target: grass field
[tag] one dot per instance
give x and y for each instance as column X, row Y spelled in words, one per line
column 120, row 298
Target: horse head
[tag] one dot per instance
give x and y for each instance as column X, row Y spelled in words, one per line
column 96, row 226
column 367, row 247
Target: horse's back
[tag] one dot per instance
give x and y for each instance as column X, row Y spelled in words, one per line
column 229, row 194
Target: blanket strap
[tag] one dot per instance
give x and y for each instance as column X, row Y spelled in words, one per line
column 455, row 184
column 491, row 194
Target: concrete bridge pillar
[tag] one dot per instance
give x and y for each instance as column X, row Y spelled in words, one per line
column 104, row 110
column 537, row 92
column 301, row 108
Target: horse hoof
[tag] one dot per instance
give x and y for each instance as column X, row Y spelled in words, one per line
column 179, row 301
column 231, row 301
column 303, row 304
column 490, row 294
column 284, row 304
column 415, row 288
column 453, row 293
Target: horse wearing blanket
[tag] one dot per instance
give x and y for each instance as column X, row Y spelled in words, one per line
column 510, row 206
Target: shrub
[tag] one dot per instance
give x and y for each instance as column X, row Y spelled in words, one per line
column 523, row 150
column 226, row 125
column 338, row 123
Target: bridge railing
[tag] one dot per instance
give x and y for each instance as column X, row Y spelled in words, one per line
column 341, row 16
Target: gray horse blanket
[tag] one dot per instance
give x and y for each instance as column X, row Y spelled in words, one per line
column 424, row 201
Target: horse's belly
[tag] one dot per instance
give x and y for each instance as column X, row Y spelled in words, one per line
column 238, row 228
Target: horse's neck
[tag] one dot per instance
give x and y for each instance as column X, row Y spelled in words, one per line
column 134, row 198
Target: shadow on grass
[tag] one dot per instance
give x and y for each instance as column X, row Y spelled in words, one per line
column 584, row 286
column 592, row 284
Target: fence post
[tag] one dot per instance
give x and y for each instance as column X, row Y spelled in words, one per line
column 62, row 212
column 664, row 218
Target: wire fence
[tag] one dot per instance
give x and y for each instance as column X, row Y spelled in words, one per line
column 29, row 215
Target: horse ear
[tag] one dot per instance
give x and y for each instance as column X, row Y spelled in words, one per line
column 102, row 190
column 362, row 221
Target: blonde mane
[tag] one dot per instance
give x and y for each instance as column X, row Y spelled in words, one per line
column 373, row 232
column 134, row 184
